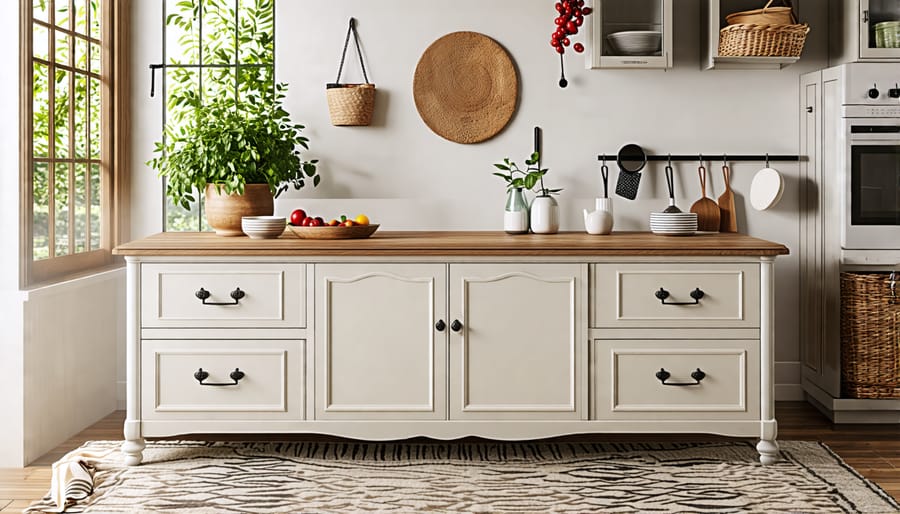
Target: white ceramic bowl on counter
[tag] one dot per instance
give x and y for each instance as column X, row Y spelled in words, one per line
column 263, row 227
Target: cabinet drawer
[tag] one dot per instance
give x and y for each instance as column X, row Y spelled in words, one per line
column 626, row 384
column 274, row 295
column 629, row 295
column 272, row 387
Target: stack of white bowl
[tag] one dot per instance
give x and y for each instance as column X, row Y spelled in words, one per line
column 636, row 42
column 263, row 227
column 673, row 223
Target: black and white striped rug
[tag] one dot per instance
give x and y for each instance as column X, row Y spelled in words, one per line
column 227, row 477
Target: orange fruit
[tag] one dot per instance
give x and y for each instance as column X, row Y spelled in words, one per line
column 362, row 219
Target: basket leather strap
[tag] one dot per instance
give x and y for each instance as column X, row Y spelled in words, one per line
column 787, row 3
column 351, row 29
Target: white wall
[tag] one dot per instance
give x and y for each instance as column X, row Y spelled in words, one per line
column 405, row 177
column 11, row 358
column 72, row 332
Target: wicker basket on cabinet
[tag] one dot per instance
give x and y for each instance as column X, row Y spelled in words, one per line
column 870, row 335
column 762, row 40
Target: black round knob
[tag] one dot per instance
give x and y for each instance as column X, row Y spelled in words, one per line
column 456, row 326
column 440, row 325
column 873, row 93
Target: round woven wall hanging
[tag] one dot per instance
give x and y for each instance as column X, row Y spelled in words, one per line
column 465, row 87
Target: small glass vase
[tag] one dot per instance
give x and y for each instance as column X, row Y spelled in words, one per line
column 544, row 215
column 515, row 216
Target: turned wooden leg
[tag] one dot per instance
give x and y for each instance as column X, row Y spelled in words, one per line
column 768, row 451
column 133, row 446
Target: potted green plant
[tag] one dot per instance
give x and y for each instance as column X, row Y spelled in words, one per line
column 240, row 153
column 544, row 211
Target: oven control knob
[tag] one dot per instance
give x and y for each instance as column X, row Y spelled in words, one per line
column 873, row 93
column 894, row 92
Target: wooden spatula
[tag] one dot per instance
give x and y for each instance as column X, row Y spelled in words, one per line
column 706, row 209
column 727, row 221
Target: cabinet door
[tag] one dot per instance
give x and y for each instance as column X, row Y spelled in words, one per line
column 378, row 352
column 875, row 42
column 518, row 351
column 630, row 34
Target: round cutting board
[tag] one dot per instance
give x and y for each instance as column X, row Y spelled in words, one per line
column 465, row 87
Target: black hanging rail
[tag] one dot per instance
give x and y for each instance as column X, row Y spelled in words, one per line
column 711, row 157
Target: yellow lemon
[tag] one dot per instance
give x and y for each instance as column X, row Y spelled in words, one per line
column 362, row 219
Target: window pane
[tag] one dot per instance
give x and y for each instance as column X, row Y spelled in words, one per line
column 40, row 228
column 182, row 33
column 95, row 58
column 41, row 42
column 80, row 205
column 95, row 142
column 62, row 13
column 256, row 41
column 95, row 206
column 182, row 92
column 40, row 9
column 62, row 47
column 254, row 81
column 61, row 114
column 61, row 208
column 41, row 105
column 219, row 44
column 80, row 17
column 81, row 114
column 218, row 82
column 81, row 57
column 179, row 219
column 96, row 9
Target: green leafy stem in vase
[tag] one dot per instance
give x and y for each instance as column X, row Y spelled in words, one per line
column 528, row 178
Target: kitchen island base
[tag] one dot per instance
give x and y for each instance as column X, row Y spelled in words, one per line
column 449, row 335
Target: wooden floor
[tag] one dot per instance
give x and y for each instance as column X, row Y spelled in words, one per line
column 873, row 450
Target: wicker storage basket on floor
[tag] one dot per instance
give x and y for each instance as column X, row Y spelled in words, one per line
column 870, row 336
column 753, row 40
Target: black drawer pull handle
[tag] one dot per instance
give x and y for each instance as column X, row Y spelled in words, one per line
column 440, row 325
column 235, row 375
column 456, row 326
column 696, row 294
column 664, row 375
column 236, row 295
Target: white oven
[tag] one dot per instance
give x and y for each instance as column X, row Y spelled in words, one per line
column 870, row 141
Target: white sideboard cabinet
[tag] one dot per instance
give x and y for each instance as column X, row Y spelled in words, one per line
column 450, row 334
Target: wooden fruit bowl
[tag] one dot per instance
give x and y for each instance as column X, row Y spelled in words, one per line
column 354, row 232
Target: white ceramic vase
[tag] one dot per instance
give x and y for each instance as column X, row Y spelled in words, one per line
column 544, row 215
column 515, row 216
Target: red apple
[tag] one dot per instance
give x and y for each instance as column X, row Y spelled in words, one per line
column 297, row 217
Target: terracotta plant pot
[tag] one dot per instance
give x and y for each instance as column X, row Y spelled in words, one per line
column 224, row 212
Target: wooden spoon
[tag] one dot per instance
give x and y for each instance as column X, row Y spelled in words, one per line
column 727, row 222
column 706, row 209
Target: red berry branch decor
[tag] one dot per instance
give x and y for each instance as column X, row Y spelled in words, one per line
column 571, row 17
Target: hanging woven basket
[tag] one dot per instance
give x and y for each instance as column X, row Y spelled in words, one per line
column 351, row 104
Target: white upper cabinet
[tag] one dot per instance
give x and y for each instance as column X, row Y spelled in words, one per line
column 865, row 30
column 631, row 34
column 713, row 13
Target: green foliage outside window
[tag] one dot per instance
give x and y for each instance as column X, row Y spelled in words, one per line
column 66, row 180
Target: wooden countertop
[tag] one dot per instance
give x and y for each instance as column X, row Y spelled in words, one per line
column 454, row 243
